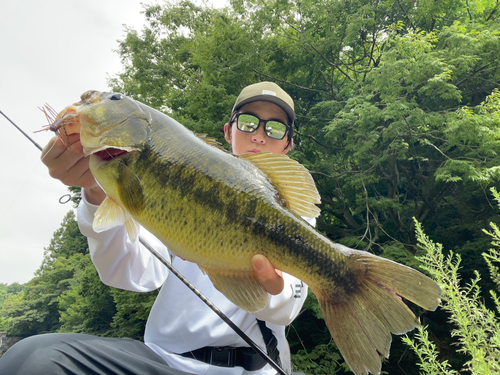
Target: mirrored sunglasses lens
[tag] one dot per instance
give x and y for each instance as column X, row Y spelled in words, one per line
column 247, row 123
column 275, row 129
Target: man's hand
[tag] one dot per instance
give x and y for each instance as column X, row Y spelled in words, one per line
column 70, row 166
column 270, row 277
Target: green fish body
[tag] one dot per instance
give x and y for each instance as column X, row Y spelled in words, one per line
column 218, row 210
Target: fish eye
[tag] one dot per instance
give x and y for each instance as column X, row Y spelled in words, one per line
column 116, row 97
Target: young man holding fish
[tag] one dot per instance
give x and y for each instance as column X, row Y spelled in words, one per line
column 182, row 334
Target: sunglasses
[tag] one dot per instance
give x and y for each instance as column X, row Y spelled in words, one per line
column 249, row 123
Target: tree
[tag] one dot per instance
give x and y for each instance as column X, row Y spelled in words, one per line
column 476, row 327
column 66, row 295
column 377, row 86
column 93, row 308
column 37, row 308
column 132, row 311
column 396, row 103
column 87, row 306
column 8, row 294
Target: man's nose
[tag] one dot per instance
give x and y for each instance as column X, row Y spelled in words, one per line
column 259, row 136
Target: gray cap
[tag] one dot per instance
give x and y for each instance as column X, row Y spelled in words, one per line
column 269, row 92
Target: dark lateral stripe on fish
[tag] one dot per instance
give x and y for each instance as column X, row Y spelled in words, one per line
column 306, row 251
column 227, row 201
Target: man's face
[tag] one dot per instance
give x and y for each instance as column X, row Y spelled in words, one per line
column 258, row 141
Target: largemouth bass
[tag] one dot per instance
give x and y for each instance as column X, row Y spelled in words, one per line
column 218, row 210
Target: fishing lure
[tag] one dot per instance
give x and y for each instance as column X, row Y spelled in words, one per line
column 57, row 122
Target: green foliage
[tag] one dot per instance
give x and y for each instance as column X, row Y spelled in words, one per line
column 66, row 295
column 428, row 354
column 36, row 309
column 8, row 290
column 397, row 110
column 477, row 328
column 8, row 294
column 88, row 306
column 397, row 118
column 132, row 313
column 324, row 359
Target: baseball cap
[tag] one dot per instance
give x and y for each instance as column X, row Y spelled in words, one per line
column 269, row 92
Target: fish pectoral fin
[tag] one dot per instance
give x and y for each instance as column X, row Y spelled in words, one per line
column 109, row 215
column 242, row 288
column 292, row 180
column 130, row 189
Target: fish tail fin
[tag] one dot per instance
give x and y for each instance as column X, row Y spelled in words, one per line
column 363, row 315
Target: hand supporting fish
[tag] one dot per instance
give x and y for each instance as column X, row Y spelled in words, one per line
column 218, row 210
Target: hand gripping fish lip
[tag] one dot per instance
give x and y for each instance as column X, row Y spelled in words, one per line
column 57, row 122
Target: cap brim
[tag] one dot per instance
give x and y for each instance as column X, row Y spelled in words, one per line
column 269, row 98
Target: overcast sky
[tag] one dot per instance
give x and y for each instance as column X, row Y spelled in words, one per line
column 51, row 51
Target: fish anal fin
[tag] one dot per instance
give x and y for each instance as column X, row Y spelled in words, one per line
column 242, row 288
column 292, row 180
column 363, row 316
column 109, row 215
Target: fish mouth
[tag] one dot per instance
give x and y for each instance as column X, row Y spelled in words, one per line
column 108, row 153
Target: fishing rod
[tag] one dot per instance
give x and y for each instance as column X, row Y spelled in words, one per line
column 186, row 282
column 18, row 128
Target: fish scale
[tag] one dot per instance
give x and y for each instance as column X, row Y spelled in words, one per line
column 218, row 210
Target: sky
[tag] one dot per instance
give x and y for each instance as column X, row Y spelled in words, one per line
column 51, row 52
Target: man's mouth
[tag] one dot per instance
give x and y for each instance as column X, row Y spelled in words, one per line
column 253, row 151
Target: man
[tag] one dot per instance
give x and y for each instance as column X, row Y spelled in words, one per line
column 182, row 334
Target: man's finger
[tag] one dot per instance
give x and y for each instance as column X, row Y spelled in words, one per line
column 269, row 276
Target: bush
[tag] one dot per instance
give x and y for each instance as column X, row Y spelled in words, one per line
column 477, row 328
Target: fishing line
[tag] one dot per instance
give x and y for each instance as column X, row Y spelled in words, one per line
column 214, row 308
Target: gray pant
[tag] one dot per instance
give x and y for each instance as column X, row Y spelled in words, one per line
column 72, row 353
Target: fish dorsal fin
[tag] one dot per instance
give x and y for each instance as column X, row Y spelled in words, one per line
column 110, row 214
column 292, row 180
column 211, row 141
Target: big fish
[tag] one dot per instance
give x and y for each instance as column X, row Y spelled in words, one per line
column 218, row 210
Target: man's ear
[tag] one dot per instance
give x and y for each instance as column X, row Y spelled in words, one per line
column 288, row 147
column 227, row 133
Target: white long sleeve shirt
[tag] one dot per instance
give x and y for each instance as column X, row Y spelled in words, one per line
column 179, row 321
